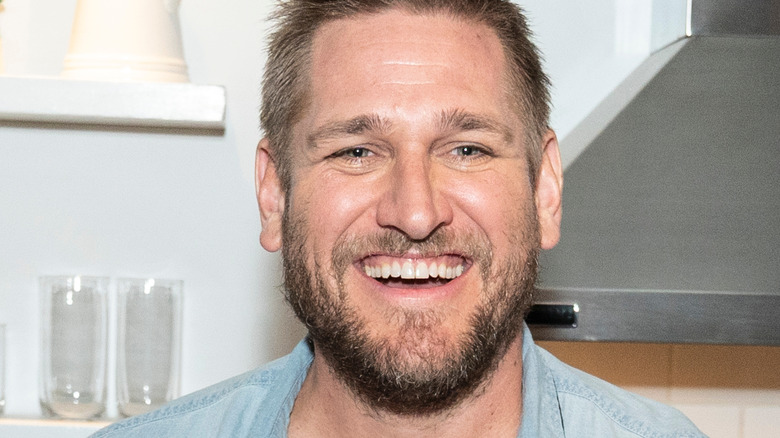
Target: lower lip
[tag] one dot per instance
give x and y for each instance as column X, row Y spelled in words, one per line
column 395, row 283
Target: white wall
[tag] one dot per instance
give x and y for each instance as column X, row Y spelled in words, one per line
column 165, row 204
column 176, row 205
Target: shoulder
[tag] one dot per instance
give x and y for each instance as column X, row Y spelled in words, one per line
column 589, row 403
column 240, row 406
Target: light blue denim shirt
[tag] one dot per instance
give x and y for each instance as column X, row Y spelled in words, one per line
column 558, row 401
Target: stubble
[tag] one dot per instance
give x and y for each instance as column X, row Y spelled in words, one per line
column 418, row 370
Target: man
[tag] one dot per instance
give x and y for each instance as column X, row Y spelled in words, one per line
column 409, row 177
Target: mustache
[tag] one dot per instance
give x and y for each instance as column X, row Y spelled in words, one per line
column 468, row 244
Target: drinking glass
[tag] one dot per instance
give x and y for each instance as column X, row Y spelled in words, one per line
column 73, row 347
column 148, row 344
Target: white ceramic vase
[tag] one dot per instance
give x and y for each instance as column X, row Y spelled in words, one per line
column 126, row 40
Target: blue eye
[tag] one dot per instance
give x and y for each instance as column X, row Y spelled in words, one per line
column 357, row 153
column 468, row 151
column 354, row 156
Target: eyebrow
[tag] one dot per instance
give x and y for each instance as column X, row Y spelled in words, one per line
column 354, row 126
column 455, row 120
column 458, row 121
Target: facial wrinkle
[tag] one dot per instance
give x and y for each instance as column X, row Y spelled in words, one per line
column 415, row 63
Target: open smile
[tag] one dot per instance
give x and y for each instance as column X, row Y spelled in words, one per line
column 441, row 269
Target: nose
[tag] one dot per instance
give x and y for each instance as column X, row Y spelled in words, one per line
column 412, row 203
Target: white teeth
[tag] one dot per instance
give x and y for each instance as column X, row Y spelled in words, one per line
column 433, row 270
column 395, row 270
column 410, row 270
column 421, row 271
column 407, row 270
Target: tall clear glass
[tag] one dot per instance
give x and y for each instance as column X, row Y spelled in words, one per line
column 74, row 326
column 148, row 343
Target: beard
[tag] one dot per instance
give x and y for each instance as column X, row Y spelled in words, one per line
column 418, row 370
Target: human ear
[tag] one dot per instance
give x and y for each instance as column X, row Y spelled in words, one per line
column 270, row 197
column 548, row 192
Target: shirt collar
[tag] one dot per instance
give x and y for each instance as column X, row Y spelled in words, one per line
column 541, row 410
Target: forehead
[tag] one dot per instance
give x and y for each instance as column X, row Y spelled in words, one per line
column 418, row 37
column 407, row 59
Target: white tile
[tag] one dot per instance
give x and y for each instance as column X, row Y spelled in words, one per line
column 657, row 393
column 715, row 421
column 725, row 396
column 761, row 422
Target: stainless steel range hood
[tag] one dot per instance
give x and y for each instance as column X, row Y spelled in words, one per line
column 671, row 228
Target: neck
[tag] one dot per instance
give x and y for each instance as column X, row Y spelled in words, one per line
column 325, row 407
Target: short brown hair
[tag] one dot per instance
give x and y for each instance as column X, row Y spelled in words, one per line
column 285, row 82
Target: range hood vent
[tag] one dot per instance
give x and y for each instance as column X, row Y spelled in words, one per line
column 671, row 226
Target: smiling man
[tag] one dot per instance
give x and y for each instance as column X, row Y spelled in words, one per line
column 409, row 177
column 409, row 224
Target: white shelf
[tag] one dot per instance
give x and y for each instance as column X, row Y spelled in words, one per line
column 45, row 428
column 119, row 104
